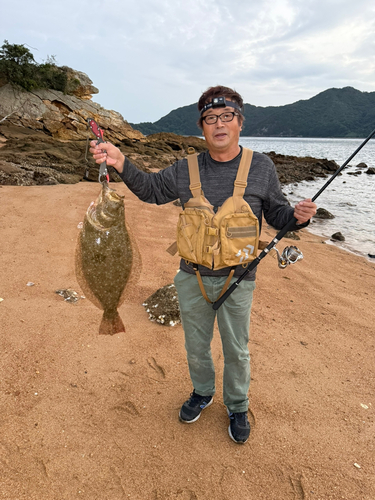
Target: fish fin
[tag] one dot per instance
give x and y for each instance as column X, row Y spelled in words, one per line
column 111, row 326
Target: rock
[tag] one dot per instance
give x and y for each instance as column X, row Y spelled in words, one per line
column 370, row 171
column 338, row 237
column 362, row 165
column 292, row 235
column 163, row 306
column 322, row 213
column 355, row 173
column 83, row 87
column 292, row 169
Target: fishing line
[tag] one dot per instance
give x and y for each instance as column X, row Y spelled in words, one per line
column 285, row 229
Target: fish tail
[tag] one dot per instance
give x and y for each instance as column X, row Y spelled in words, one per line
column 111, row 326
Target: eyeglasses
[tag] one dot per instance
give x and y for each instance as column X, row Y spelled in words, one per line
column 224, row 117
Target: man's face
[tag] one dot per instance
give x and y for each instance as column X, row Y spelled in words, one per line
column 222, row 136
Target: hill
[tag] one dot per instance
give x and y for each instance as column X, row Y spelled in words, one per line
column 345, row 112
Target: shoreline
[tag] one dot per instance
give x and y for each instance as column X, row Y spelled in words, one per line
column 328, row 241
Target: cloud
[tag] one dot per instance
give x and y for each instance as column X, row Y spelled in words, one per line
column 148, row 57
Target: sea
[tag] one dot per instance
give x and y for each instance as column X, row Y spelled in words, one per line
column 350, row 198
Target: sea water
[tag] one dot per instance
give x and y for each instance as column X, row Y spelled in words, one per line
column 349, row 198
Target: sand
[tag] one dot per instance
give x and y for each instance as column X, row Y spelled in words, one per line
column 95, row 417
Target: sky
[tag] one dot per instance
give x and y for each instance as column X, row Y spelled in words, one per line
column 148, row 57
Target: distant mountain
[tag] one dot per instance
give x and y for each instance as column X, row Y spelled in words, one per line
column 345, row 112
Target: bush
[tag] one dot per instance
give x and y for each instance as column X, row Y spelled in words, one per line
column 18, row 67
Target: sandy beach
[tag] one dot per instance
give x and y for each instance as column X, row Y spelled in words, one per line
column 96, row 417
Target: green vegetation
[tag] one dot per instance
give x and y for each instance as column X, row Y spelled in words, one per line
column 343, row 112
column 19, row 68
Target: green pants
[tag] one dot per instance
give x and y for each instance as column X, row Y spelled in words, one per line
column 233, row 319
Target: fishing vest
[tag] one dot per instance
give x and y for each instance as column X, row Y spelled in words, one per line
column 227, row 238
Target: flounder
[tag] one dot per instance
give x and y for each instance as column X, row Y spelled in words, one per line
column 104, row 257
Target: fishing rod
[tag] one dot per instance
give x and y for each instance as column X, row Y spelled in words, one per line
column 289, row 225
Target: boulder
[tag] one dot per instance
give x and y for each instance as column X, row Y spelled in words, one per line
column 322, row 213
column 370, row 171
column 81, row 83
column 292, row 235
column 338, row 237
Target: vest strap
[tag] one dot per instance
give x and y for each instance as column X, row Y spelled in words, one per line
column 243, row 171
column 195, row 181
column 240, row 183
column 201, row 285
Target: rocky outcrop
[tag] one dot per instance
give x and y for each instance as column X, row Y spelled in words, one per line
column 296, row 169
column 29, row 157
column 61, row 116
column 43, row 136
column 83, row 87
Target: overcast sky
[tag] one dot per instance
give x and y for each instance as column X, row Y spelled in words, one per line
column 148, row 57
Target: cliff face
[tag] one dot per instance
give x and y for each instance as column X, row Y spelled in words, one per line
column 61, row 116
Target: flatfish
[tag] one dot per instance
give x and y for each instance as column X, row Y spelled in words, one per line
column 104, row 257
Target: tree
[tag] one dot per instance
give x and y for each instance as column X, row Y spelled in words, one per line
column 17, row 65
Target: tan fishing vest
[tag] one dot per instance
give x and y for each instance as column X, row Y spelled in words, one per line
column 225, row 239
column 228, row 238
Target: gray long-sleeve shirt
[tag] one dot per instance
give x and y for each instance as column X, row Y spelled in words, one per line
column 263, row 192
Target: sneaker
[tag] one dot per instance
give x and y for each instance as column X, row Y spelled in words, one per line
column 192, row 408
column 239, row 427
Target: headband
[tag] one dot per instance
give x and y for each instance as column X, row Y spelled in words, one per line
column 220, row 102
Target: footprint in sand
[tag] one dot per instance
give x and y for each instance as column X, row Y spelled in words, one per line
column 127, row 407
column 153, row 364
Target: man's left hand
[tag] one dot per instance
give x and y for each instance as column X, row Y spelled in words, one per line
column 304, row 210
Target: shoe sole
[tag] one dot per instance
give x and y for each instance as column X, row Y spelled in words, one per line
column 196, row 418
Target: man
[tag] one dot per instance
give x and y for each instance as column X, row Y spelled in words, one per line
column 221, row 121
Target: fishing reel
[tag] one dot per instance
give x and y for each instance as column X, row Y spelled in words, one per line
column 290, row 255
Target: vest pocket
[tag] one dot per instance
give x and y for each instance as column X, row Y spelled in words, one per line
column 239, row 238
column 191, row 229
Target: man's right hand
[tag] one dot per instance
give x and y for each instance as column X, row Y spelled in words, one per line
column 105, row 151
